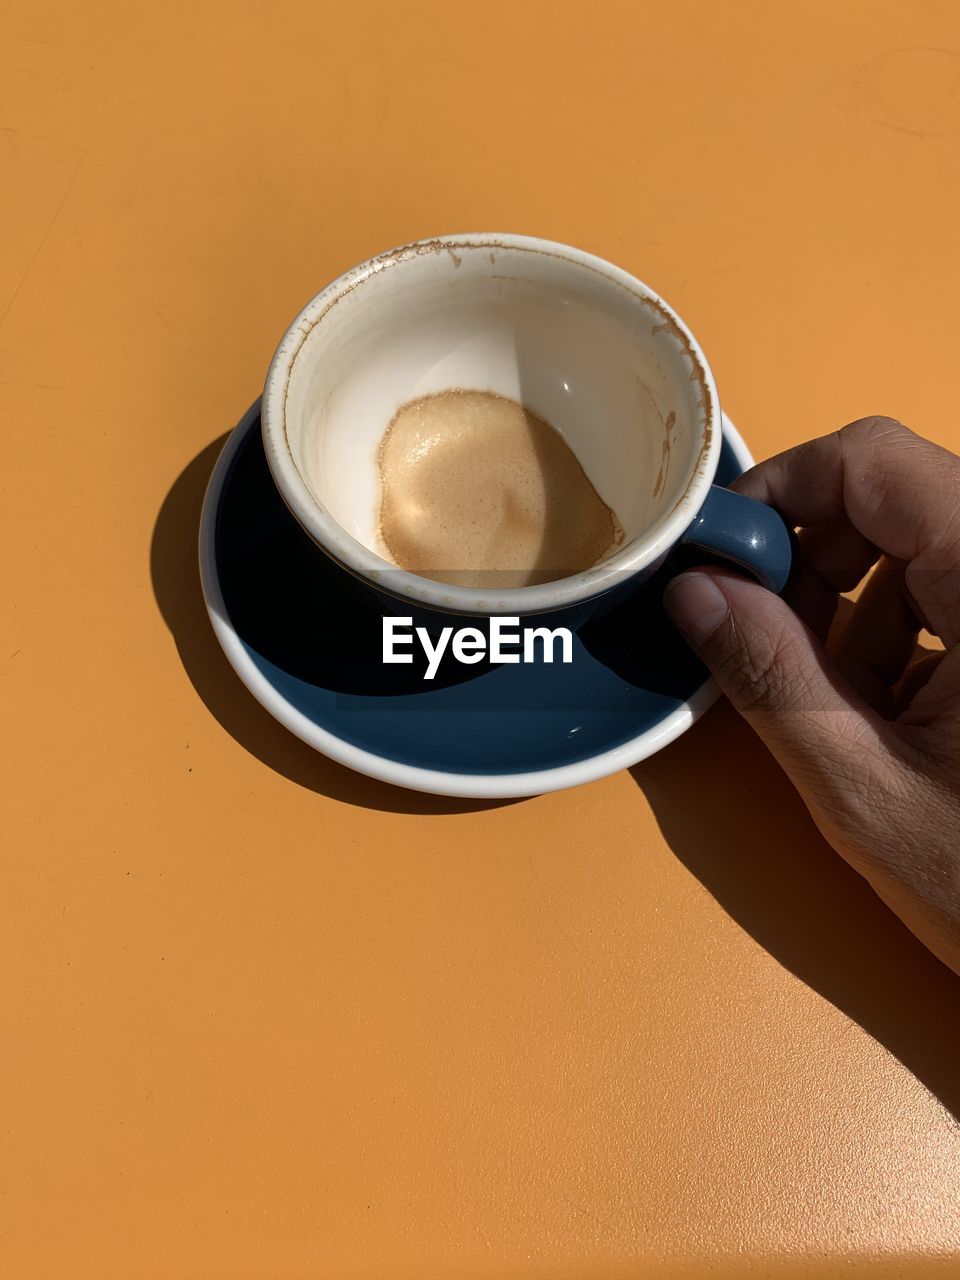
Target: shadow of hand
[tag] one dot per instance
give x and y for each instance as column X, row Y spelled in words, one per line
column 733, row 819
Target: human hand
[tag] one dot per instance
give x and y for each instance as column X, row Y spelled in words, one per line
column 870, row 739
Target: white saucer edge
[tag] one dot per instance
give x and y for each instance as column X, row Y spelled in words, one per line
column 485, row 786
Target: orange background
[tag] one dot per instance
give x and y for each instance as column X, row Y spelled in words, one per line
column 265, row 1018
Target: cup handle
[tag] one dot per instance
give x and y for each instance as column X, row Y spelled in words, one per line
column 748, row 533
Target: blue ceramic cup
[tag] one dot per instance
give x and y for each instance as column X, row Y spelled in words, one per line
column 581, row 343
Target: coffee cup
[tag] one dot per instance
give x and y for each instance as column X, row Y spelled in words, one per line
column 578, row 342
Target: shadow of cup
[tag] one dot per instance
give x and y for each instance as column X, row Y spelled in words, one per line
column 176, row 583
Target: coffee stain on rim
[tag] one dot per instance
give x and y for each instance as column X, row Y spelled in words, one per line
column 420, row 248
column 374, row 266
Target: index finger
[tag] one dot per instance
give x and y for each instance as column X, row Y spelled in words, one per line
column 898, row 491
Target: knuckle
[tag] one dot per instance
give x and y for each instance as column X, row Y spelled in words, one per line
column 756, row 675
column 872, row 428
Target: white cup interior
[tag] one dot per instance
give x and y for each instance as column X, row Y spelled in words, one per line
column 587, row 349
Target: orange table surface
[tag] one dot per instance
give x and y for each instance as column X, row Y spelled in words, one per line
column 262, row 1017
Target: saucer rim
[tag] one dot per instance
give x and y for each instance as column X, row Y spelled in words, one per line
column 471, row 786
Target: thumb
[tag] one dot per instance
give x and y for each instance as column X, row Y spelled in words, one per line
column 778, row 676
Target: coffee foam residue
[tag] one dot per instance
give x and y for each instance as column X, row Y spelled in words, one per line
column 476, row 490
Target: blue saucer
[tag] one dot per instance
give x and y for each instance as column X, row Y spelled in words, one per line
column 305, row 637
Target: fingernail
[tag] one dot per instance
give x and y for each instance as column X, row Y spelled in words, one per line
column 696, row 604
